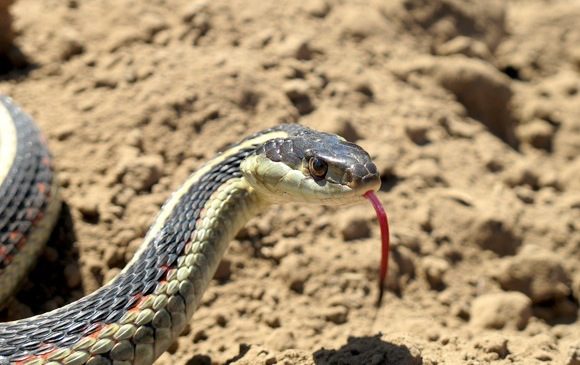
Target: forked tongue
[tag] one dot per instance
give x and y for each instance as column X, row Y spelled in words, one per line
column 384, row 223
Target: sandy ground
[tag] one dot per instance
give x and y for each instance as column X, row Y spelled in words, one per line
column 470, row 108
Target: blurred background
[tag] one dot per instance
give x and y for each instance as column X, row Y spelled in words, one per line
column 471, row 110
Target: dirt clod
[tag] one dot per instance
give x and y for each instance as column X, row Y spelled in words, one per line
column 501, row 310
column 539, row 275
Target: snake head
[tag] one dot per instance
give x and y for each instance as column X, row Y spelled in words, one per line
column 310, row 166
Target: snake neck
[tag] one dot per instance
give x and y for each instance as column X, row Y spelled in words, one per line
column 137, row 316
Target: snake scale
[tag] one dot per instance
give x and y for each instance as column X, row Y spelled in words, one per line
column 134, row 318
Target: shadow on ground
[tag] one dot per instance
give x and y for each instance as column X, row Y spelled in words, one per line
column 370, row 350
column 48, row 286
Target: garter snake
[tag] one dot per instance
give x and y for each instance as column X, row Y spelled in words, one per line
column 134, row 318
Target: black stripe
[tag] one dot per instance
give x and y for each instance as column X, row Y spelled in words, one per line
column 20, row 198
column 108, row 305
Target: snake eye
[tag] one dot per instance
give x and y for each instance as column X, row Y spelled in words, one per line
column 318, row 167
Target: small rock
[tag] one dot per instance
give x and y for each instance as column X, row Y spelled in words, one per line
column 494, row 344
column 142, row 172
column 573, row 356
column 501, row 310
column 192, row 9
column 537, row 133
column 64, row 131
column 467, row 46
column 88, row 206
column 290, row 270
column 435, row 269
column 538, row 274
column 522, row 174
column 70, row 44
column 494, row 234
column 360, row 22
column 417, row 132
column 427, row 170
column 317, row 8
column 298, row 93
column 281, row 339
column 296, row 47
column 135, row 138
column 336, row 314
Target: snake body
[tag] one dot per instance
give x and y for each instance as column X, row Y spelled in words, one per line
column 134, row 318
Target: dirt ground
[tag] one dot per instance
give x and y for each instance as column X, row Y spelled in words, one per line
column 470, row 108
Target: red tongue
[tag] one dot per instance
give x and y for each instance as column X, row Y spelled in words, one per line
column 384, row 223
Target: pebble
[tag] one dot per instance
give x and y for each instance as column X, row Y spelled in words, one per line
column 467, row 46
column 142, row 172
column 493, row 344
column 495, row 234
column 69, row 44
column 501, row 310
column 296, row 47
column 417, row 132
column 336, row 314
column 361, row 22
column 317, row 8
column 573, row 356
column 88, row 206
column 435, row 269
column 192, row 9
column 538, row 274
column 289, row 270
column 537, row 133
column 522, row 174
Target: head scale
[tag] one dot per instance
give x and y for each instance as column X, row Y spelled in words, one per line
column 312, row 167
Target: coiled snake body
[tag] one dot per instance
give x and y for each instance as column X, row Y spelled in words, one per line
column 134, row 318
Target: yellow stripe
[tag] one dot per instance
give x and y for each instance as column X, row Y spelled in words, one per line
column 177, row 195
column 7, row 142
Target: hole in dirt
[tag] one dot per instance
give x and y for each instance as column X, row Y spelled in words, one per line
column 512, row 72
column 55, row 279
column 388, row 182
